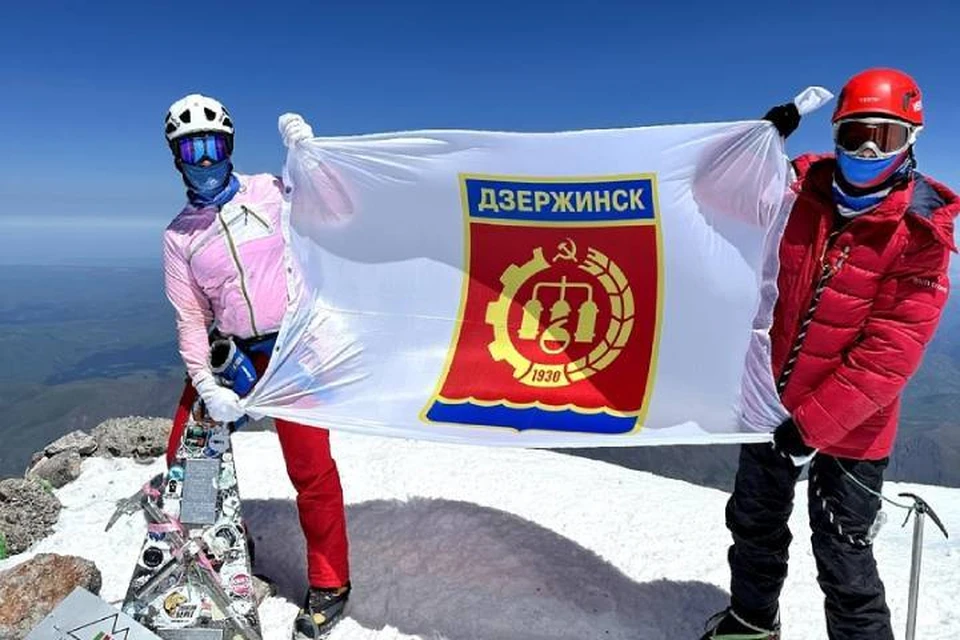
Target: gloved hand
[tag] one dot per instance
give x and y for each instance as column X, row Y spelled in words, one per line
column 222, row 404
column 788, row 441
column 785, row 117
column 293, row 129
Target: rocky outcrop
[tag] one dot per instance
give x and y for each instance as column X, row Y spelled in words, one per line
column 79, row 441
column 62, row 468
column 132, row 437
column 33, row 589
column 27, row 513
column 59, row 463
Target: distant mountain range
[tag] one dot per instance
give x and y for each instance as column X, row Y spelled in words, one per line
column 79, row 345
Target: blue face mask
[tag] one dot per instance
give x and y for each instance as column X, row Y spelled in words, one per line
column 865, row 173
column 207, row 182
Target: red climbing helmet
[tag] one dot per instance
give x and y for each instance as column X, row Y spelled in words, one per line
column 881, row 92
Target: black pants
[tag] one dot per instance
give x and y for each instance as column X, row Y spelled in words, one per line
column 841, row 515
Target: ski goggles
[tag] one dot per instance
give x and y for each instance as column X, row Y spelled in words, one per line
column 194, row 149
column 885, row 137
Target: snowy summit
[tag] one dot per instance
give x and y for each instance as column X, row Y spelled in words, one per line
column 464, row 542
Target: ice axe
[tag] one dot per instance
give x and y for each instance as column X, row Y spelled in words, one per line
column 921, row 509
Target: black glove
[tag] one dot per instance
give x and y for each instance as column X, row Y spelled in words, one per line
column 789, row 442
column 785, row 117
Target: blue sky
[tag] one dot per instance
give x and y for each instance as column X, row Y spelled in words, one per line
column 85, row 89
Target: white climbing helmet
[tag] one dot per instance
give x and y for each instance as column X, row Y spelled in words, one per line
column 196, row 113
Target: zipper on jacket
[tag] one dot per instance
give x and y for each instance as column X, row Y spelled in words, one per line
column 243, row 280
column 827, row 271
column 247, row 211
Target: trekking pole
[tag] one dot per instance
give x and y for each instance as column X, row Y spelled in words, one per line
column 921, row 509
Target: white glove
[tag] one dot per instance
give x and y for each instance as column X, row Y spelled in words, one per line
column 293, row 129
column 811, row 99
column 222, row 404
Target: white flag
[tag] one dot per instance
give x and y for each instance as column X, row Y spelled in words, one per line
column 585, row 288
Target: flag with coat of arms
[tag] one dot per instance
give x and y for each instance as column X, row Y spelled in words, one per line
column 567, row 289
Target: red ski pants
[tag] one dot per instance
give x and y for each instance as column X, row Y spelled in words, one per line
column 314, row 475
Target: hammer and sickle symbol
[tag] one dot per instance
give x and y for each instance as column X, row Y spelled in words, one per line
column 566, row 250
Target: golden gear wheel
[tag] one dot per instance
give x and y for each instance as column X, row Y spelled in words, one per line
column 617, row 288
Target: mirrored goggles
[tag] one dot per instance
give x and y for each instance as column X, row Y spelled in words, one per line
column 204, row 146
column 885, row 137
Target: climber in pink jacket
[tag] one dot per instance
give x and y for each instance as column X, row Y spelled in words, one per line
column 226, row 270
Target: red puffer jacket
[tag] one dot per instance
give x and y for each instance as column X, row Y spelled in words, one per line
column 883, row 281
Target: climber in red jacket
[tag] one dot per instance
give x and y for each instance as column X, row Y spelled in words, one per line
column 862, row 283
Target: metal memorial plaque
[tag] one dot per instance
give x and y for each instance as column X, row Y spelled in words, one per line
column 199, row 502
column 84, row 616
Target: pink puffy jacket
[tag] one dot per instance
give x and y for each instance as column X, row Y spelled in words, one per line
column 228, row 269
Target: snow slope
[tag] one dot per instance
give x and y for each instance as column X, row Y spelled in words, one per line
column 464, row 543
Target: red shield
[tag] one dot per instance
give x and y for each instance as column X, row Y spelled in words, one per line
column 559, row 319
